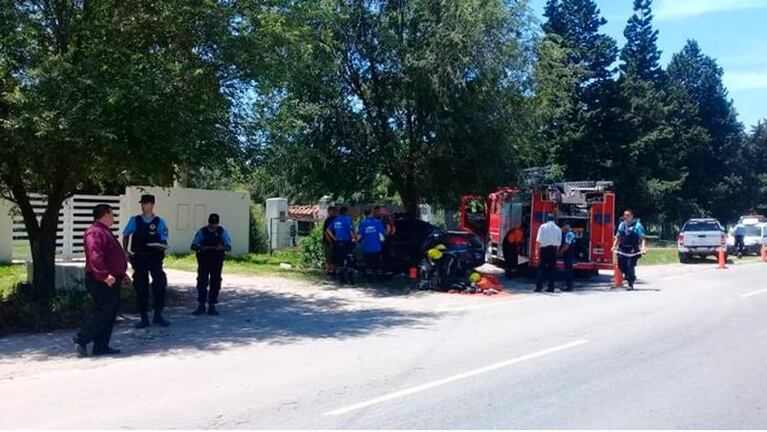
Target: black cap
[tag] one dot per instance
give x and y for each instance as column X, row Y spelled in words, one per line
column 147, row 199
column 213, row 219
column 550, row 217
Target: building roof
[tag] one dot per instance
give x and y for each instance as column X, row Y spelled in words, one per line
column 304, row 212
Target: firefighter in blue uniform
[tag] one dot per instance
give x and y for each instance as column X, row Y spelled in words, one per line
column 628, row 238
column 211, row 243
column 567, row 252
column 145, row 238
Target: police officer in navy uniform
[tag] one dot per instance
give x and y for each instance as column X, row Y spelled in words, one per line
column 211, row 243
column 145, row 238
column 567, row 252
column 628, row 237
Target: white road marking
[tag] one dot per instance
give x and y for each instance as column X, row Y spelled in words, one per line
column 454, row 378
column 751, row 294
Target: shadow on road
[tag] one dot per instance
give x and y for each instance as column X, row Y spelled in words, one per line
column 247, row 317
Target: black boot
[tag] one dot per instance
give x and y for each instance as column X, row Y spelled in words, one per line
column 144, row 323
column 158, row 320
column 212, row 310
column 105, row 351
column 200, row 309
column 81, row 349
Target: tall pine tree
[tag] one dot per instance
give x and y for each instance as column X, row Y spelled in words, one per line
column 640, row 55
column 642, row 177
column 581, row 135
column 716, row 162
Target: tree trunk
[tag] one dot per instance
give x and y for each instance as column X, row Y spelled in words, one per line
column 42, row 242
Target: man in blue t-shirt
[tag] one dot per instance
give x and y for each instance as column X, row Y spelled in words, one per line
column 630, row 242
column 341, row 232
column 371, row 233
column 145, row 239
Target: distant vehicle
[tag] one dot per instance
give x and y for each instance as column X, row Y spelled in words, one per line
column 700, row 238
column 755, row 235
column 414, row 237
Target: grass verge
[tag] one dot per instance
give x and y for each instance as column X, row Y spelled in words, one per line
column 10, row 276
column 253, row 264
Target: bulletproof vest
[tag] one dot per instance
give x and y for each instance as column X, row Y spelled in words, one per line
column 211, row 238
column 630, row 238
column 571, row 250
column 145, row 233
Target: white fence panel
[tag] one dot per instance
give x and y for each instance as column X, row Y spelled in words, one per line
column 74, row 218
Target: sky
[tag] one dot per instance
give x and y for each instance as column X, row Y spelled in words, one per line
column 734, row 32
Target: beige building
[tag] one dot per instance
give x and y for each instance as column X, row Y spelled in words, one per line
column 186, row 210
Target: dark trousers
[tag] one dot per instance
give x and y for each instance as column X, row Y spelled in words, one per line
column 547, row 267
column 342, row 250
column 740, row 246
column 386, row 255
column 144, row 265
column 568, row 271
column 627, row 265
column 209, row 267
column 372, row 264
column 106, row 303
column 510, row 256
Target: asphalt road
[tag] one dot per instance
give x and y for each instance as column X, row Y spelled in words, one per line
column 686, row 350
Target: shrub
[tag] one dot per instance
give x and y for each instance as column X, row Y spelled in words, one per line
column 259, row 240
column 312, row 250
column 18, row 313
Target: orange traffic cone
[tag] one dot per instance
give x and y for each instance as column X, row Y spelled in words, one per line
column 764, row 253
column 617, row 276
column 722, row 260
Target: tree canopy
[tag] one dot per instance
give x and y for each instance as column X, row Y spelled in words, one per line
column 98, row 92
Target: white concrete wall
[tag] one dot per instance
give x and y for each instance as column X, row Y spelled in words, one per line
column 186, row 210
column 6, row 232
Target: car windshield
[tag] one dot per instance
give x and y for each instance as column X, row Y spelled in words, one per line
column 753, row 231
column 701, row 226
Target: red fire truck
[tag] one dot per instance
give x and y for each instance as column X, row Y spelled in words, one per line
column 588, row 206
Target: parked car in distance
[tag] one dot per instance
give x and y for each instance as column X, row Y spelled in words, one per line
column 414, row 237
column 754, row 237
column 700, row 238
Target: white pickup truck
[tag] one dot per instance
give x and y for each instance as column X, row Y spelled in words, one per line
column 700, row 238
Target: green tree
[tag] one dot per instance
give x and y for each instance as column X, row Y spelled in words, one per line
column 640, row 56
column 97, row 92
column 427, row 94
column 583, row 135
column 717, row 176
column 641, row 170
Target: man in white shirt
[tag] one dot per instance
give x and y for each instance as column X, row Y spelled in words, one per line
column 549, row 239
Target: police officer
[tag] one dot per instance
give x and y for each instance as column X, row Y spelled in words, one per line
column 147, row 235
column 567, row 252
column 740, row 232
column 211, row 243
column 628, row 237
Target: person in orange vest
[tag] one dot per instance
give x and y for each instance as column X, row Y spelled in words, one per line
column 512, row 245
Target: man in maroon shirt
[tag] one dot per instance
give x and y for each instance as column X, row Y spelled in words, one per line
column 106, row 268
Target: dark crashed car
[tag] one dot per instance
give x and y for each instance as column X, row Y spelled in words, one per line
column 415, row 237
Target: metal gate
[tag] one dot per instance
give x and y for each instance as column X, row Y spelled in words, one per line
column 75, row 217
